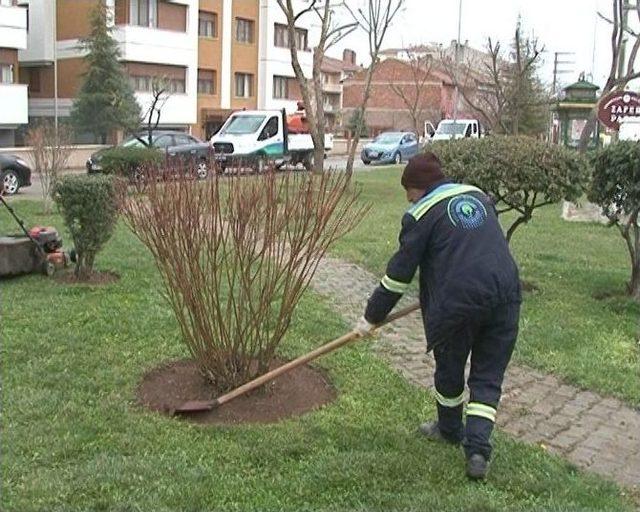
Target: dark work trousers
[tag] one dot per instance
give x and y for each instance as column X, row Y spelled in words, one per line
column 490, row 339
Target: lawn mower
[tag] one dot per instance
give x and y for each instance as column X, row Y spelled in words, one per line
column 38, row 250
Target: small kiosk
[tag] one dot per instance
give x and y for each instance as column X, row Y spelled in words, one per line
column 571, row 112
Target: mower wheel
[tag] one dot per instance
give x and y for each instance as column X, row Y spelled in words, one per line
column 48, row 268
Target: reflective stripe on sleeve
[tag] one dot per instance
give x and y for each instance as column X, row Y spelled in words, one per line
column 481, row 410
column 449, row 402
column 394, row 286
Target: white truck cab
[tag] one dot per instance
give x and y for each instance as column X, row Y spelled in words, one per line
column 262, row 135
column 449, row 129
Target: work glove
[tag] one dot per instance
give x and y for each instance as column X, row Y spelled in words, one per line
column 363, row 327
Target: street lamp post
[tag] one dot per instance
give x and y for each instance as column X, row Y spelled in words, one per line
column 456, row 93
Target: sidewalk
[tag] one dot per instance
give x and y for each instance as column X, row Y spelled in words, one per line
column 595, row 433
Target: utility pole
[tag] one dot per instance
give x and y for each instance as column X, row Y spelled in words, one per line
column 558, row 68
column 55, row 66
column 455, row 100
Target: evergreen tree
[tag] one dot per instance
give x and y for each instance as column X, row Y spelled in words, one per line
column 528, row 106
column 106, row 101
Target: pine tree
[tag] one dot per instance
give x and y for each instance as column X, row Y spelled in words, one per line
column 106, row 101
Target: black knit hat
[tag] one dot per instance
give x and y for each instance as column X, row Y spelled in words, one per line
column 422, row 171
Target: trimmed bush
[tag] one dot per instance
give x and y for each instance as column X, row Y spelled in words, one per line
column 521, row 173
column 121, row 161
column 88, row 205
column 616, row 189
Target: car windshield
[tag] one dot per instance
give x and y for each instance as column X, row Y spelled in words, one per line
column 388, row 138
column 451, row 128
column 243, row 125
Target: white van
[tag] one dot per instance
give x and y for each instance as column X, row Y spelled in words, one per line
column 458, row 129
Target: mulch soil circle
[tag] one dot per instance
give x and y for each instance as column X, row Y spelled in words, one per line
column 96, row 278
column 292, row 394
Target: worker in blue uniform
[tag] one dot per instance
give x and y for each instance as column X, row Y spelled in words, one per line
column 470, row 300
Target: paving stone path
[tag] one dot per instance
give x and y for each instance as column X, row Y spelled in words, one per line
column 595, row 433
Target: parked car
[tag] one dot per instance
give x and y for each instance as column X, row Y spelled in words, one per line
column 390, row 147
column 174, row 143
column 14, row 174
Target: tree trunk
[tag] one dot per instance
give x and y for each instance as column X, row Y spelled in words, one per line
column 518, row 222
column 634, row 284
column 587, row 132
column 318, row 159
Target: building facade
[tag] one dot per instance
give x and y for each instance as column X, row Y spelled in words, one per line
column 13, row 95
column 334, row 73
column 279, row 87
column 217, row 56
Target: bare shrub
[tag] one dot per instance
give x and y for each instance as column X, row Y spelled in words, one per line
column 236, row 254
column 50, row 150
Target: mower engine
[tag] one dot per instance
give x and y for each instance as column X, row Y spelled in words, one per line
column 51, row 242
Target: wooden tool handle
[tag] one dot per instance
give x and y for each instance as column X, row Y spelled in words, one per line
column 329, row 347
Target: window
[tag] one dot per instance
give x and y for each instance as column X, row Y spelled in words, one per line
column 34, row 80
column 280, row 87
column 270, row 129
column 164, row 141
column 144, row 13
column 244, row 85
column 144, row 83
column 206, row 82
column 244, row 30
column 208, row 24
column 281, row 37
column 182, row 140
column 6, row 74
column 301, row 39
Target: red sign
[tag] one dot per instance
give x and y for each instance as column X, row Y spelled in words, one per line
column 616, row 106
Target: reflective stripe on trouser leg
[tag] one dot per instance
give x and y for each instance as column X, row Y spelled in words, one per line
column 449, row 402
column 450, row 416
column 482, row 410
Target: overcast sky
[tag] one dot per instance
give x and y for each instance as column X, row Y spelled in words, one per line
column 561, row 25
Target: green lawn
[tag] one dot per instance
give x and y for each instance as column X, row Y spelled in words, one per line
column 72, row 439
column 564, row 330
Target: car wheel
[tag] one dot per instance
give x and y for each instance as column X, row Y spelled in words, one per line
column 202, row 171
column 309, row 162
column 366, row 162
column 10, row 182
column 397, row 158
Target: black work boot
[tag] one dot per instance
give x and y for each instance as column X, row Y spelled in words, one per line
column 432, row 431
column 477, row 467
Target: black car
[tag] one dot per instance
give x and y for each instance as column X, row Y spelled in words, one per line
column 14, row 174
column 174, row 143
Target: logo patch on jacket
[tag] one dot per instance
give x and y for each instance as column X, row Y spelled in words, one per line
column 467, row 212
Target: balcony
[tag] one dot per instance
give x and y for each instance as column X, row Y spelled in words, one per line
column 180, row 109
column 14, row 107
column 13, row 27
column 143, row 44
column 331, row 88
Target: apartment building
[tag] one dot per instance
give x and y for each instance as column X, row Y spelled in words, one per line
column 217, row 55
column 278, row 85
column 13, row 96
column 334, row 73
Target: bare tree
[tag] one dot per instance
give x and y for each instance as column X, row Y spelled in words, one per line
column 236, row 255
column 618, row 77
column 151, row 118
column 50, row 150
column 375, row 19
column 413, row 92
column 331, row 33
column 505, row 91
